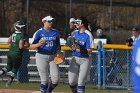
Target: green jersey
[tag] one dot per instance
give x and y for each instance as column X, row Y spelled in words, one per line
column 16, row 37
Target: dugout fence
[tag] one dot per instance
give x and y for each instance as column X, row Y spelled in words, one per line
column 111, row 66
column 114, row 67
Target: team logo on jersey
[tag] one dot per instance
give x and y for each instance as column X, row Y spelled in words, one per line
column 42, row 35
column 81, row 42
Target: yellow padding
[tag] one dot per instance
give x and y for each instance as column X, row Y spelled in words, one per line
column 106, row 46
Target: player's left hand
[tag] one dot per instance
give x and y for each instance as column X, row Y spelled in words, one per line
column 59, row 58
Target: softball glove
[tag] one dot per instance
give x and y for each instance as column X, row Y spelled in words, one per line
column 59, row 58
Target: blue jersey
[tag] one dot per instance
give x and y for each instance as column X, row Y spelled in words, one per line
column 136, row 66
column 51, row 38
column 85, row 41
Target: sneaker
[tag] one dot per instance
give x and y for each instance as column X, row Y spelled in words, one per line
column 9, row 81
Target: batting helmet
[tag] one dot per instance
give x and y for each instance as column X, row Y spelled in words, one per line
column 19, row 25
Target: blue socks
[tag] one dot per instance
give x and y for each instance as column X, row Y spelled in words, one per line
column 51, row 87
column 46, row 89
column 73, row 89
column 81, row 89
column 43, row 88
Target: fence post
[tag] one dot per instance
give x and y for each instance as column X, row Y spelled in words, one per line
column 103, row 67
column 99, row 56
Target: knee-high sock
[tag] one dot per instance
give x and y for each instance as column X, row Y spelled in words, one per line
column 81, row 89
column 51, row 87
column 43, row 88
column 73, row 89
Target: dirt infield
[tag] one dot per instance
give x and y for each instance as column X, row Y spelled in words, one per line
column 20, row 91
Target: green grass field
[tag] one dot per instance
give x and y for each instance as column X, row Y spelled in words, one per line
column 60, row 88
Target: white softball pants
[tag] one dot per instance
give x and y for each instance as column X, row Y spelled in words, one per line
column 46, row 67
column 78, row 71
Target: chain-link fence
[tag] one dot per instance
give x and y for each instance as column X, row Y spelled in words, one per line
column 111, row 68
column 114, row 68
column 117, row 71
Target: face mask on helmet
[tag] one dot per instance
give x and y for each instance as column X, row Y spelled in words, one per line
column 18, row 25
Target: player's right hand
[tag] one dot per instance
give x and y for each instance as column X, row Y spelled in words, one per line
column 41, row 42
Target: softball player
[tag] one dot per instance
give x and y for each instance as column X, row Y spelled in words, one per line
column 17, row 44
column 47, row 42
column 136, row 66
column 80, row 64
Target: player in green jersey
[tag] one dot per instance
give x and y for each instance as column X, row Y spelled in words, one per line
column 16, row 46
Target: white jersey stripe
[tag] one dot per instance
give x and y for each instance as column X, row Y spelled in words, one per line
column 91, row 38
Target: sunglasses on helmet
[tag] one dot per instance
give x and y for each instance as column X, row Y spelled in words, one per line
column 78, row 22
column 51, row 21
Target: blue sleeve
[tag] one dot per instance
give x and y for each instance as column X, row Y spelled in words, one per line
column 36, row 37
